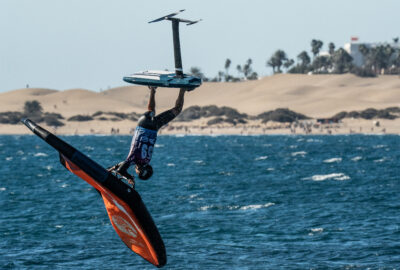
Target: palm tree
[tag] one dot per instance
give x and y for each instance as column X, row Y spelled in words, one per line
column 272, row 63
column 331, row 48
column 196, row 71
column 342, row 61
column 305, row 61
column 253, row 76
column 378, row 58
column 220, row 75
column 247, row 68
column 247, row 71
column 396, row 63
column 280, row 56
column 227, row 65
column 321, row 64
column 277, row 60
column 316, row 45
column 388, row 52
column 239, row 69
column 364, row 50
column 288, row 63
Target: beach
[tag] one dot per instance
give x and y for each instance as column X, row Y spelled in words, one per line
column 316, row 96
column 348, row 126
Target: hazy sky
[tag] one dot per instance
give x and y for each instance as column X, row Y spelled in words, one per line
column 92, row 44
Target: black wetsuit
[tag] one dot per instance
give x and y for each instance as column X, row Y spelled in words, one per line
column 146, row 135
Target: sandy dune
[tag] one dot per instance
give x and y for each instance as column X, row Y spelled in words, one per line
column 313, row 95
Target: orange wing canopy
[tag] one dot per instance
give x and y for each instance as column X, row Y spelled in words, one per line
column 125, row 208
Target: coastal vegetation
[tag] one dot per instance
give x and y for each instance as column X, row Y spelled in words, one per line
column 211, row 114
column 34, row 111
column 115, row 116
column 80, row 118
column 197, row 112
column 245, row 72
column 380, row 59
column 371, row 113
column 282, row 115
column 105, row 116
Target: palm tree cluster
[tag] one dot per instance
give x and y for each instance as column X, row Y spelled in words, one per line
column 245, row 72
column 381, row 59
column 336, row 61
column 278, row 59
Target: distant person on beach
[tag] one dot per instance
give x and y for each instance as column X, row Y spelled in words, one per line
column 145, row 137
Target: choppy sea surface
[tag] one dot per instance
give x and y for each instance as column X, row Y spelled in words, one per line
column 223, row 202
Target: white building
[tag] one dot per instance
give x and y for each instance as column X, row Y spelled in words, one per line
column 358, row 58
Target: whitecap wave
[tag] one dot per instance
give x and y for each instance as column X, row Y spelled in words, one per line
column 192, row 196
column 380, row 160
column 40, row 155
column 317, row 229
column 333, row 160
column 2, row 188
column 261, row 158
column 158, row 145
column 171, row 165
column 357, row 158
column 256, row 206
column 226, row 173
column 323, row 177
column 379, row 146
column 198, row 162
column 314, row 140
column 9, row 158
column 300, row 153
column 206, row 207
column 235, row 207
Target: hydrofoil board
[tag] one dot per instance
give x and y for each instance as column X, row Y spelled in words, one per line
column 163, row 79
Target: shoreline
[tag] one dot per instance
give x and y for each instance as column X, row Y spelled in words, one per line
column 126, row 127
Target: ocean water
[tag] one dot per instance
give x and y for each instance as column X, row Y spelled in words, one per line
column 223, row 202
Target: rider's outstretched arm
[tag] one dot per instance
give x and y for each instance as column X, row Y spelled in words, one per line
column 151, row 106
column 179, row 102
column 167, row 116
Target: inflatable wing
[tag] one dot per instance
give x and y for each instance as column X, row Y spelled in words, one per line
column 125, row 208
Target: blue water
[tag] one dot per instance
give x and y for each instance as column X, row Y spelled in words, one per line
column 226, row 202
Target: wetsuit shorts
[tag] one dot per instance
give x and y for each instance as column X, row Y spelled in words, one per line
column 146, row 135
